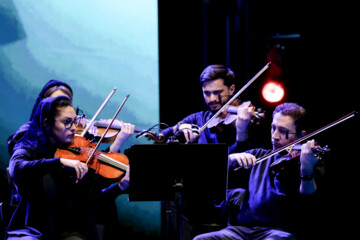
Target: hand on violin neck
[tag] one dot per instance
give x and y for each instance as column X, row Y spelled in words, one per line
column 243, row 120
column 307, row 163
column 127, row 130
column 307, row 158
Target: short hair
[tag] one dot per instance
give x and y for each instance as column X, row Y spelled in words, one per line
column 216, row 71
column 294, row 110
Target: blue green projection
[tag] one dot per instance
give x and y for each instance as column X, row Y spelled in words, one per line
column 94, row 46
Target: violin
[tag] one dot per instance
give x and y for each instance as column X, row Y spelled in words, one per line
column 98, row 128
column 233, row 98
column 319, row 152
column 293, row 158
column 110, row 165
column 229, row 115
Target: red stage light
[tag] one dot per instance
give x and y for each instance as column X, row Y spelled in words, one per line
column 273, row 92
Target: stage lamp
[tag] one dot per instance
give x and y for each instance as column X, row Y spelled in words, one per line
column 273, row 92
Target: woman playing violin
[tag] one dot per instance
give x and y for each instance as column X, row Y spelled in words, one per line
column 52, row 205
column 268, row 205
column 54, row 88
column 106, row 210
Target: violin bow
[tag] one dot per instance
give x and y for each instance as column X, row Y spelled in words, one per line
column 290, row 145
column 98, row 112
column 107, row 129
column 235, row 96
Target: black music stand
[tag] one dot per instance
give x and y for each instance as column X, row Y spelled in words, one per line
column 177, row 171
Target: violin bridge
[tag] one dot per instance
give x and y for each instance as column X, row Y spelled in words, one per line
column 290, row 148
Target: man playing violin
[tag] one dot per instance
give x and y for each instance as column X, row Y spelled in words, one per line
column 52, row 204
column 266, row 205
column 218, row 86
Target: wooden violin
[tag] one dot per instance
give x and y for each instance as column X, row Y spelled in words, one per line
column 97, row 129
column 279, row 165
column 110, row 165
column 293, row 158
column 229, row 115
column 233, row 98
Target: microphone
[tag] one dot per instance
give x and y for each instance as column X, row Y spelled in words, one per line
column 149, row 129
column 143, row 132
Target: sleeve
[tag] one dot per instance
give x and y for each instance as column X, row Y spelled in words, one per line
column 15, row 137
column 166, row 133
column 239, row 177
column 192, row 118
column 22, row 165
column 169, row 132
column 112, row 191
column 238, row 147
column 310, row 208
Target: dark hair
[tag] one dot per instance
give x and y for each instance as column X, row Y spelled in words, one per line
column 297, row 112
column 63, row 88
column 50, row 87
column 216, row 71
column 59, row 103
column 37, row 136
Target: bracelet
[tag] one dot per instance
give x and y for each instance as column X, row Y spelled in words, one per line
column 307, row 178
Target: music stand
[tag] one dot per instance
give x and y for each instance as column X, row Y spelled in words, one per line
column 177, row 171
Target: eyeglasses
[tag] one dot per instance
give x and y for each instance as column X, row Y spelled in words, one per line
column 69, row 122
column 283, row 131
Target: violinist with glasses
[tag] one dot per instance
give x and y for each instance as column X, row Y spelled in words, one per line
column 267, row 204
column 54, row 88
column 55, row 192
column 106, row 209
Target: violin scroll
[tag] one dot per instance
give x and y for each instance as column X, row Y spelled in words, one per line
column 257, row 115
column 229, row 115
column 320, row 151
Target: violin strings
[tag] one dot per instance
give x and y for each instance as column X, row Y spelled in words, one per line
column 112, row 162
column 346, row 117
column 105, row 159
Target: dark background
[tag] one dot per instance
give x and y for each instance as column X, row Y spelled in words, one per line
column 319, row 73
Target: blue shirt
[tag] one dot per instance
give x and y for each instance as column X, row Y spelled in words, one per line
column 266, row 199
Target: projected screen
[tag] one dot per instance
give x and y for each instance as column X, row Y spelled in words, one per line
column 94, row 46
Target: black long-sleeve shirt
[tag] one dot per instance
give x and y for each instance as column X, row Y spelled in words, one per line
column 51, row 201
column 259, row 197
